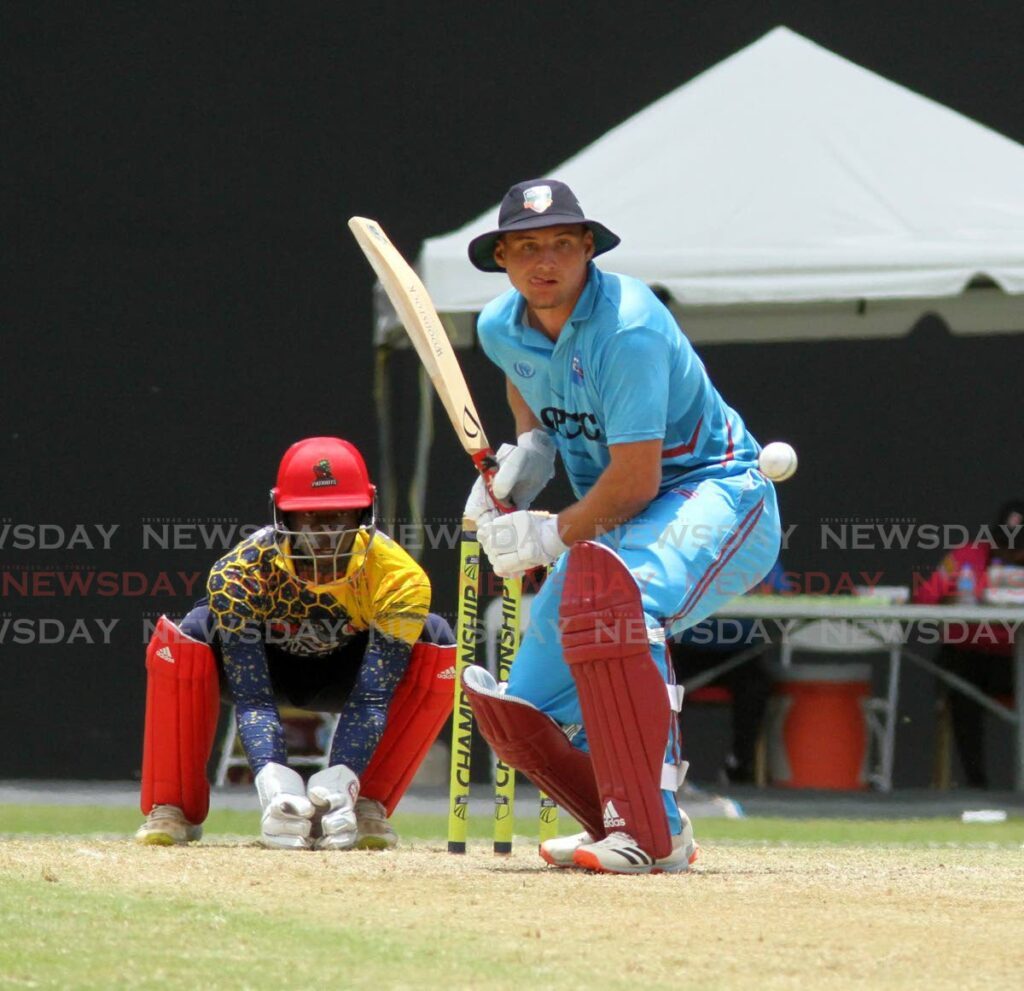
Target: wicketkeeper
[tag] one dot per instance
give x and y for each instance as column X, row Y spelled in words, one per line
column 320, row 611
column 672, row 519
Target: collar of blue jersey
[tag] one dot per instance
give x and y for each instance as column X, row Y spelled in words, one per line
column 585, row 304
column 530, row 336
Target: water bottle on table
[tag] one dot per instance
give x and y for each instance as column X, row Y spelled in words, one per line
column 966, row 586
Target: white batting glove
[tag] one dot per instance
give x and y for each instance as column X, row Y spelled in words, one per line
column 334, row 791
column 520, row 541
column 287, row 813
column 480, row 506
column 525, row 469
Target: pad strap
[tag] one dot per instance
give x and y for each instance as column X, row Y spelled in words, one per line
column 673, row 775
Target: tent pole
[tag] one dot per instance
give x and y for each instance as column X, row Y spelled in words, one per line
column 424, row 439
column 382, row 401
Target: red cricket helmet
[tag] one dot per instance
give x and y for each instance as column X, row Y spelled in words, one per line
column 322, row 473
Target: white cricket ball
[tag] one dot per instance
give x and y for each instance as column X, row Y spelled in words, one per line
column 777, row 461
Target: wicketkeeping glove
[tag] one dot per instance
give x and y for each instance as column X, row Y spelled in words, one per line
column 524, row 469
column 287, row 813
column 334, row 791
column 520, row 541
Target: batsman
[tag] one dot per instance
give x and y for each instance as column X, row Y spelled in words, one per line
column 320, row 611
column 672, row 519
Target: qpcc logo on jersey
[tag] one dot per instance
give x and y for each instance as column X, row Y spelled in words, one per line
column 524, row 369
column 570, row 425
column 537, row 198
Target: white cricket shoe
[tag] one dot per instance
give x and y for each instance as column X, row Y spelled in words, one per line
column 166, row 825
column 373, row 831
column 558, row 852
column 618, row 853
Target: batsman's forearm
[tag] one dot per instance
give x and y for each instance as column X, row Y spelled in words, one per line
column 625, row 487
column 597, row 513
column 522, row 414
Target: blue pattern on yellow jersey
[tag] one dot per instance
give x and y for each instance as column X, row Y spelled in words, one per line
column 255, row 599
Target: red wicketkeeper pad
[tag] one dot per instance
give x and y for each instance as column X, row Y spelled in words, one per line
column 623, row 696
column 421, row 704
column 182, row 707
column 532, row 742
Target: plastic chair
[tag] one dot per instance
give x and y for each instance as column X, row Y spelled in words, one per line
column 231, row 754
column 854, row 636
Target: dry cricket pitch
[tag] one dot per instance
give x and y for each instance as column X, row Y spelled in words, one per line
column 745, row 917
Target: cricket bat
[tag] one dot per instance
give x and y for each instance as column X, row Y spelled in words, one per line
column 415, row 309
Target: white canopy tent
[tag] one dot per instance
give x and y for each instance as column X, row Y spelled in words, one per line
column 787, row 193
column 784, row 194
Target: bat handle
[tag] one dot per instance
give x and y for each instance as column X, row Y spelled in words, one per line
column 487, row 464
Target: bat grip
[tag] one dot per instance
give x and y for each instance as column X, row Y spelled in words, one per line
column 487, row 464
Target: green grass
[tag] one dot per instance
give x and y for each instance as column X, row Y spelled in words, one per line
column 109, row 940
column 83, row 820
column 899, row 910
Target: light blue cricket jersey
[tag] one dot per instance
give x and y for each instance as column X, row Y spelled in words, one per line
column 621, row 371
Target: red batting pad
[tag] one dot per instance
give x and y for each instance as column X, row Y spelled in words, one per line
column 182, row 706
column 421, row 704
column 532, row 742
column 622, row 695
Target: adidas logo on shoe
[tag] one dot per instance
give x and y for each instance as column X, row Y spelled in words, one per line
column 612, row 819
column 164, row 653
column 448, row 674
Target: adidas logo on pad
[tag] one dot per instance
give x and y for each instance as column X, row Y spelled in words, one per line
column 611, row 816
column 164, row 653
column 448, row 674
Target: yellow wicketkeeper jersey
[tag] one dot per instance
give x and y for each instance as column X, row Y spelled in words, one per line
column 254, row 588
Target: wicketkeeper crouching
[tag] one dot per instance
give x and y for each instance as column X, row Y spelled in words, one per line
column 320, row 611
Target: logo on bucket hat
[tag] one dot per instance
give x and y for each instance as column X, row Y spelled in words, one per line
column 531, row 204
column 537, row 198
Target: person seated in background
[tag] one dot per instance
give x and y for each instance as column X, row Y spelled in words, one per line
column 977, row 652
column 707, row 645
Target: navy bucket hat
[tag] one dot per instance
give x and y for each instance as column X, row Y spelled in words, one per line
column 531, row 204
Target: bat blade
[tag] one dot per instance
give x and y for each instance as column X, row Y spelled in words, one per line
column 415, row 309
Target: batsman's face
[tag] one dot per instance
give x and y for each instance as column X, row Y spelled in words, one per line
column 547, row 265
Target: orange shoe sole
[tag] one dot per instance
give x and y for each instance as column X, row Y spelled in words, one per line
column 588, row 861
